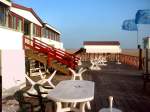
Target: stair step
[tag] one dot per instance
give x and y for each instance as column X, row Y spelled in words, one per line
column 41, row 54
column 59, row 63
column 35, row 52
column 31, row 60
column 54, row 61
column 64, row 67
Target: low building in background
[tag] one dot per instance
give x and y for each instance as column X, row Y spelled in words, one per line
column 102, row 46
column 146, row 42
column 146, row 54
column 109, row 50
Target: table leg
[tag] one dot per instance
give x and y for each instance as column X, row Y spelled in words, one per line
column 73, row 104
column 88, row 105
column 59, row 107
column 82, row 106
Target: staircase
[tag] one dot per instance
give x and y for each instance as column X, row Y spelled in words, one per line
column 48, row 55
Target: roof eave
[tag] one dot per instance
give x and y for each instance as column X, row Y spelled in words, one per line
column 6, row 2
column 27, row 9
column 52, row 28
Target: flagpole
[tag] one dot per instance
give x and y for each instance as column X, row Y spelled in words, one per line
column 137, row 39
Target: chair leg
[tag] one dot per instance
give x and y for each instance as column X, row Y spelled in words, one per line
column 59, row 107
column 73, row 77
column 73, row 104
column 88, row 105
column 80, row 77
column 82, row 106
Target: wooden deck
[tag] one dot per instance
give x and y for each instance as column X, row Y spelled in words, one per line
column 122, row 82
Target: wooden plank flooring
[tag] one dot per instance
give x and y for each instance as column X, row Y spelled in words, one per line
column 122, row 82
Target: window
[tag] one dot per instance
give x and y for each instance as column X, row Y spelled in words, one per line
column 15, row 22
column 2, row 16
column 19, row 25
column 46, row 33
column 26, row 28
column 50, row 36
column 36, row 30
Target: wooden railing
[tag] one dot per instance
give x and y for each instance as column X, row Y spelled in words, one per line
column 130, row 60
column 123, row 58
column 63, row 57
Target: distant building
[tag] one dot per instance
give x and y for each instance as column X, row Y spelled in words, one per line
column 102, row 46
column 146, row 54
column 146, row 42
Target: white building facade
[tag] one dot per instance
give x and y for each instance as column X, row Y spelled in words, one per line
column 102, row 47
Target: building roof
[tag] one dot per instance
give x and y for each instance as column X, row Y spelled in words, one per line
column 6, row 2
column 14, row 5
column 101, row 43
column 52, row 28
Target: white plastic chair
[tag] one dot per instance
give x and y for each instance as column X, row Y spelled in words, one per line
column 39, row 69
column 95, row 65
column 75, row 75
column 32, row 90
column 102, row 61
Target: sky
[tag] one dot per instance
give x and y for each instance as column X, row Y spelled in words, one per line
column 91, row 20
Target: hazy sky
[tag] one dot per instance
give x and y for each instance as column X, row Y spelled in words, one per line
column 94, row 20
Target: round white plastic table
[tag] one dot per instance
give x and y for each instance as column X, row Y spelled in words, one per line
column 72, row 91
column 109, row 110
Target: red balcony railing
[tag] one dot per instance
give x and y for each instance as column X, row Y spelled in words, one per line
column 63, row 57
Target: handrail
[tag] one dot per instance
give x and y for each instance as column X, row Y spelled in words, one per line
column 53, row 47
column 52, row 52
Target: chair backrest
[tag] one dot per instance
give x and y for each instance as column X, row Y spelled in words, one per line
column 80, row 69
column 72, row 71
column 83, row 71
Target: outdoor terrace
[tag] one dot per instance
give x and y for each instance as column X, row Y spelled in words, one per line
column 122, row 82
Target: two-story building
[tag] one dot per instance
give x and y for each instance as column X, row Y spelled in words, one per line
column 17, row 21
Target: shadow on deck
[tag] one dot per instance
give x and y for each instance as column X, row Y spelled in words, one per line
column 122, row 82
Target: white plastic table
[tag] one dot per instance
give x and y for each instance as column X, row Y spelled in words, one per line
column 72, row 91
column 110, row 110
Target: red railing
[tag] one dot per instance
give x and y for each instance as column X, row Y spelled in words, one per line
column 63, row 57
column 130, row 60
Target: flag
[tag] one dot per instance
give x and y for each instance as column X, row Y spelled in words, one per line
column 129, row 25
column 143, row 17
